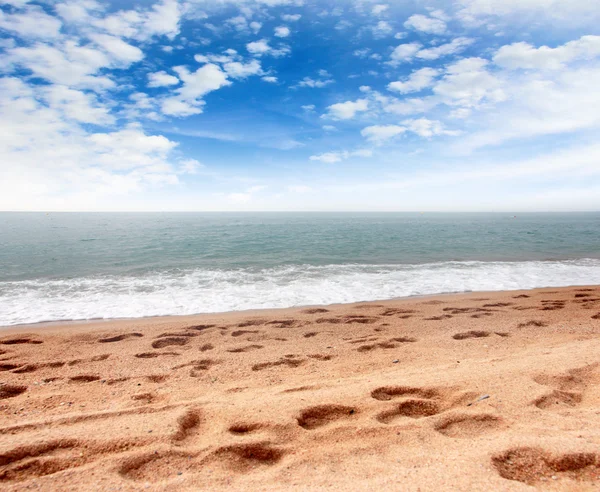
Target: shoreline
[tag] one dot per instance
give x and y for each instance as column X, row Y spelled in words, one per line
column 471, row 391
column 266, row 311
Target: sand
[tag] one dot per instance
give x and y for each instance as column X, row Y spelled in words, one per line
column 486, row 391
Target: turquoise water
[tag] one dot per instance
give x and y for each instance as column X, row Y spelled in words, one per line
column 97, row 265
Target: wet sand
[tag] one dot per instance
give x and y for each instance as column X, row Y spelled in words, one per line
column 482, row 391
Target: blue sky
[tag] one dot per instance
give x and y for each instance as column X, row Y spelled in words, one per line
column 300, row 105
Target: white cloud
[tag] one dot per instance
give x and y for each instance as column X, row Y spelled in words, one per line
column 237, row 70
column 76, row 105
column 469, row 84
column 58, row 163
column 291, row 17
column 457, row 45
column 308, row 107
column 262, row 47
column 422, row 23
column 34, row 23
column 255, row 26
column 382, row 29
column 571, row 13
column 379, row 134
column 333, row 157
column 524, row 55
column 67, row 64
column 282, row 31
column 118, row 49
column 417, row 81
column 323, row 80
column 427, row 128
column 190, row 166
column 187, row 99
column 161, row 79
column 379, row 9
column 270, row 79
column 404, row 52
column 347, row 110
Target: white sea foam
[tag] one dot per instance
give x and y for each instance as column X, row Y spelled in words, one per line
column 204, row 291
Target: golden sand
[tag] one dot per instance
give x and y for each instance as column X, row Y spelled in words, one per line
column 486, row 391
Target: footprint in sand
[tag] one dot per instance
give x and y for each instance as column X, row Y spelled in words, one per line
column 121, row 337
column 315, row 311
column 568, row 389
column 471, row 334
column 416, row 402
column 10, row 391
column 169, row 341
column 314, row 417
column 247, row 348
column 293, row 361
column 187, row 425
column 20, row 340
column 468, row 425
column 533, row 466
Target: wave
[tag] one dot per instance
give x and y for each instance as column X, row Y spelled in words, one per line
column 205, row 291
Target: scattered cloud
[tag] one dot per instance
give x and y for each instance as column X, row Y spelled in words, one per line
column 423, row 23
column 346, row 110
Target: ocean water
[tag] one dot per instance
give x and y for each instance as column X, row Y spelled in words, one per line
column 66, row 266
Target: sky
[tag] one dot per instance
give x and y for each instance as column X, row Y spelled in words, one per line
column 299, row 105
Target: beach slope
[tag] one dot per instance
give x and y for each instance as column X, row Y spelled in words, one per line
column 485, row 391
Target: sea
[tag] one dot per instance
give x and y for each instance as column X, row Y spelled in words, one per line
column 79, row 266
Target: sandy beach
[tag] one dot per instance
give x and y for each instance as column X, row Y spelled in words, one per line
column 481, row 391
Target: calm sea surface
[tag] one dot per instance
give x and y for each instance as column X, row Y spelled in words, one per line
column 109, row 265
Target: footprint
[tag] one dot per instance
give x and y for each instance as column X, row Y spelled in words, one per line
column 498, row 304
column 35, row 367
column 84, row 378
column 301, row 388
column 386, row 393
column 244, row 458
column 282, row 323
column 471, row 334
column 247, row 348
column 395, row 311
column 364, row 320
column 468, row 426
column 119, row 338
column 21, row 340
column 285, row 361
column 521, row 296
column 536, row 323
column 321, row 356
column 9, row 367
column 242, row 429
column 200, row 327
column 206, row 347
column 315, row 311
column 438, row 318
column 152, row 355
column 169, row 341
column 557, row 399
column 157, row 378
column 187, row 424
column 568, row 388
column 251, row 322
column 373, row 346
column 159, row 465
column 10, row 391
column 239, row 333
column 320, row 415
column 413, row 408
column 532, row 465
column 311, row 334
